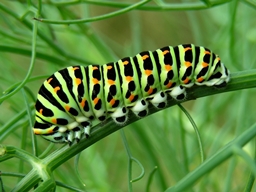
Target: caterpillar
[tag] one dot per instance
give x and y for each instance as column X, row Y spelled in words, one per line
column 71, row 98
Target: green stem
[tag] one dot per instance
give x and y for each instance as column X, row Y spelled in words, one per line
column 31, row 66
column 163, row 7
column 150, row 178
column 200, row 143
column 214, row 161
column 97, row 18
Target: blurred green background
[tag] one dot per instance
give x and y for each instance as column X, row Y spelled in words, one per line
column 165, row 140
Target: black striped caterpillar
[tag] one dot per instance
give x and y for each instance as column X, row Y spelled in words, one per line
column 71, row 98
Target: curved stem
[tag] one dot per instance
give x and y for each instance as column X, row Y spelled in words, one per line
column 162, row 7
column 200, row 143
column 97, row 18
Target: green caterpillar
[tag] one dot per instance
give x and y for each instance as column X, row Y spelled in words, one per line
column 71, row 98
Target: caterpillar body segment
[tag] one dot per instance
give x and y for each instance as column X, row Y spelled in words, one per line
column 71, row 98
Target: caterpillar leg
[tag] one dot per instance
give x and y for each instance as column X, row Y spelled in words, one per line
column 178, row 93
column 120, row 116
column 62, row 133
column 50, row 132
column 54, row 133
column 86, row 124
column 72, row 135
column 78, row 132
column 141, row 108
column 74, row 131
column 159, row 100
column 56, row 137
column 224, row 79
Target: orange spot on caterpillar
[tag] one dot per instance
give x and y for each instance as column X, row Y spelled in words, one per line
column 200, row 79
column 75, row 68
column 95, row 81
column 144, row 57
column 82, row 103
column 165, row 52
column 95, row 68
column 169, row 84
column 49, row 80
column 186, row 80
column 204, row 64
column 56, row 89
column 150, row 91
column 49, row 131
column 125, row 62
column 187, row 48
column 67, row 107
column 43, row 132
column 207, row 52
column 148, row 72
column 112, row 102
column 96, row 100
column 111, row 82
column 54, row 121
column 168, row 67
column 41, row 111
column 37, row 132
column 109, row 67
column 131, row 97
column 78, row 81
column 128, row 78
column 187, row 64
